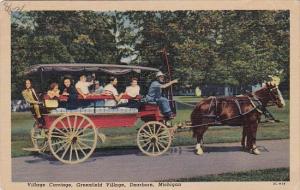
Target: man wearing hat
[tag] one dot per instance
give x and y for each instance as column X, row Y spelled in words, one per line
column 155, row 94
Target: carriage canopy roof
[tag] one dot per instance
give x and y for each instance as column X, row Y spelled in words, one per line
column 88, row 67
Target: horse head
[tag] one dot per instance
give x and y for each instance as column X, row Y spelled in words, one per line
column 270, row 94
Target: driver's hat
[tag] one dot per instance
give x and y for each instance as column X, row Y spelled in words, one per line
column 159, row 73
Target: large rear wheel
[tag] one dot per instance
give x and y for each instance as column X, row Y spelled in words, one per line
column 154, row 138
column 72, row 138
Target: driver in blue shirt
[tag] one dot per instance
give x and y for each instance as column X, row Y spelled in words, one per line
column 155, row 94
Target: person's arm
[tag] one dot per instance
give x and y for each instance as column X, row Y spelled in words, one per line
column 51, row 94
column 118, row 97
column 64, row 92
column 169, row 83
column 138, row 90
column 57, row 93
column 81, row 93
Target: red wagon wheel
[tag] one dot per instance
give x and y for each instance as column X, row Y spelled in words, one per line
column 72, row 138
column 154, row 138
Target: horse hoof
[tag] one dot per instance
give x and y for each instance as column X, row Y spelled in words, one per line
column 199, row 151
column 255, row 151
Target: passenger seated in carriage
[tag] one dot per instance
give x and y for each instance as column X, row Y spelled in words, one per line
column 155, row 94
column 98, row 90
column 82, row 86
column 110, row 89
column 132, row 91
column 53, row 92
column 30, row 97
column 70, row 91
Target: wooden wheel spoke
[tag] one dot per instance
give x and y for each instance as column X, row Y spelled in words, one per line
column 63, row 124
column 86, row 140
column 143, row 140
column 153, row 148
column 157, row 132
column 58, row 132
column 74, row 124
column 157, row 147
column 69, row 122
column 149, row 147
column 59, row 142
column 71, row 151
column 87, row 134
column 163, row 133
column 57, row 129
column 145, row 144
column 81, row 122
column 76, row 153
column 56, row 136
column 82, row 143
column 150, row 131
column 144, row 136
column 84, row 128
column 163, row 141
column 81, row 149
column 66, row 150
column 146, row 132
column 163, row 137
column 161, row 145
column 60, row 148
column 154, row 126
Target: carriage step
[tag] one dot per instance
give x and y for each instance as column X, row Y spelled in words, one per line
column 32, row 149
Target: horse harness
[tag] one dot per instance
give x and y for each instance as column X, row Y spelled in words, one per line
column 256, row 103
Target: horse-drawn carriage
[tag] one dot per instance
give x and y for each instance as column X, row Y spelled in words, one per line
column 71, row 135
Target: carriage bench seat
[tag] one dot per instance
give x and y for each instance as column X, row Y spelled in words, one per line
column 102, row 110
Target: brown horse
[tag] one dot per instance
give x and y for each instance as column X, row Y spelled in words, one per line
column 243, row 110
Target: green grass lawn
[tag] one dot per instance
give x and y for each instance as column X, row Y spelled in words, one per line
column 276, row 174
column 126, row 137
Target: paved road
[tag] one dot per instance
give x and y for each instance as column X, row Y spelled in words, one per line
column 131, row 165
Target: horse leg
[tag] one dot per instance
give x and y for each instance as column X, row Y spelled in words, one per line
column 248, row 136
column 243, row 138
column 199, row 134
column 253, row 131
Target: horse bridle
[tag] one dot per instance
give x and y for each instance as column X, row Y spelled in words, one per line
column 273, row 97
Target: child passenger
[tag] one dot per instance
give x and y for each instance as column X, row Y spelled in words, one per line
column 53, row 92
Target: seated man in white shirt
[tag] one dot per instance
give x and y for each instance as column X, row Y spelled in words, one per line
column 110, row 89
column 82, row 86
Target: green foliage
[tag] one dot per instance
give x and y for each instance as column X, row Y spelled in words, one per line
column 204, row 47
